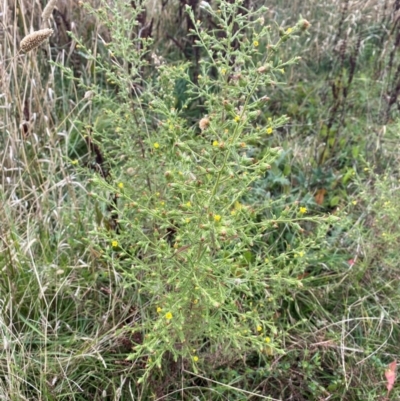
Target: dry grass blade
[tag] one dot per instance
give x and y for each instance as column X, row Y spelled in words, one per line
column 35, row 39
column 48, row 10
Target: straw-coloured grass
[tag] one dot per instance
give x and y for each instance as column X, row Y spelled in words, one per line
column 48, row 9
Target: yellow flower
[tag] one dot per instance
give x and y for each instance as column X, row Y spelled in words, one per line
column 188, row 204
column 237, row 119
column 114, row 244
column 156, row 145
column 168, row 315
column 289, row 30
column 159, row 309
column 217, row 218
column 303, row 210
column 267, row 340
column 121, row 185
column 255, row 43
column 215, row 143
column 195, row 301
column 259, row 328
column 238, row 205
column 195, row 358
column 269, row 130
column 74, row 162
column 223, row 71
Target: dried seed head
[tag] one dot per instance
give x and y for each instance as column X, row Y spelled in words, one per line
column 48, row 10
column 35, row 39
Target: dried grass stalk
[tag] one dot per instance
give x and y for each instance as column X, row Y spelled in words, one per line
column 35, row 39
column 48, row 9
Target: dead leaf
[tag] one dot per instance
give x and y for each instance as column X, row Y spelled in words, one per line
column 390, row 375
column 351, row 262
column 320, row 195
column 303, row 276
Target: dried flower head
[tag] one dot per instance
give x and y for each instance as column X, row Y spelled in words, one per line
column 262, row 69
column 204, row 123
column 303, row 24
column 35, row 39
column 48, row 10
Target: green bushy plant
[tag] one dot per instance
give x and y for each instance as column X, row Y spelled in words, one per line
column 206, row 258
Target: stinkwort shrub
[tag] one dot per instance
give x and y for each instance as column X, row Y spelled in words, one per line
column 198, row 261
